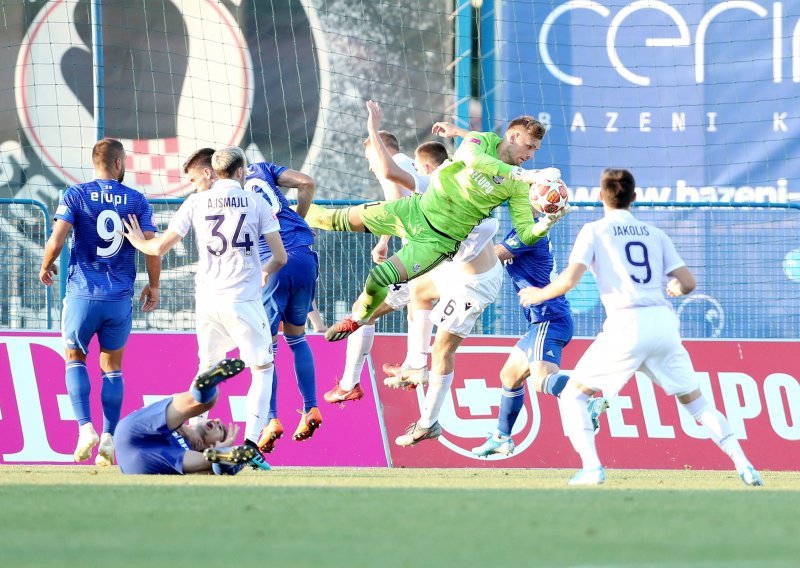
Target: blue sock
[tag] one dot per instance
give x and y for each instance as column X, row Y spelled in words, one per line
column 205, row 395
column 226, row 469
column 273, row 399
column 511, row 402
column 78, row 388
column 555, row 383
column 304, row 369
column 111, row 396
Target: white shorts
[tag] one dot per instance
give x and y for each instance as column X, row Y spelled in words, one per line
column 399, row 296
column 638, row 339
column 223, row 326
column 463, row 297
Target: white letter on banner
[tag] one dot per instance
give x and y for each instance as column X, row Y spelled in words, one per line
column 616, row 424
column 35, row 447
column 787, row 427
column 652, row 417
column 688, row 423
column 578, row 123
column 736, row 411
column 544, row 32
column 611, row 37
column 679, row 122
column 702, row 28
column 779, row 122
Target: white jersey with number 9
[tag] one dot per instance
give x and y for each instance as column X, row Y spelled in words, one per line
column 629, row 259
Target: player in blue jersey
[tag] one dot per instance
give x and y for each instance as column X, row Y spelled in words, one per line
column 156, row 440
column 538, row 353
column 102, row 270
column 289, row 295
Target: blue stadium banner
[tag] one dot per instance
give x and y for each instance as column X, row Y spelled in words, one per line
column 697, row 98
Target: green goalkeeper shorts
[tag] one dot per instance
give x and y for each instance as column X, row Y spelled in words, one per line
column 425, row 247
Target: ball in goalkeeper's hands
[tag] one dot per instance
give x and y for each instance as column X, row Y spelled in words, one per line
column 548, row 195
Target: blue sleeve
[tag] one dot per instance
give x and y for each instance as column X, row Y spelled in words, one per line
column 275, row 170
column 67, row 207
column 145, row 215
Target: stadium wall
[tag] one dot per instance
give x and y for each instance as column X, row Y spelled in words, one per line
column 755, row 383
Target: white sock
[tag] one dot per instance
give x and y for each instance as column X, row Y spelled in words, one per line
column 438, row 389
column 716, row 423
column 579, row 425
column 420, row 329
column 257, row 402
column 358, row 347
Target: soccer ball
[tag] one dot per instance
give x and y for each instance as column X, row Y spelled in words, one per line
column 548, row 195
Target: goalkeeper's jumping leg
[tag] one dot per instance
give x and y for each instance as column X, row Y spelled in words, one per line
column 346, row 219
column 376, row 288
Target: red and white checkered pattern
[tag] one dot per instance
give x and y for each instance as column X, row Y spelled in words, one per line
column 154, row 166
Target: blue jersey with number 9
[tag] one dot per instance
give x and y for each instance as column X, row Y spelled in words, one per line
column 102, row 262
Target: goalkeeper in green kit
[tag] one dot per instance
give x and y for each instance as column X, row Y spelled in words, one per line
column 484, row 172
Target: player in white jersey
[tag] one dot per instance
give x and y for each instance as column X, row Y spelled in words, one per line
column 461, row 290
column 641, row 333
column 227, row 221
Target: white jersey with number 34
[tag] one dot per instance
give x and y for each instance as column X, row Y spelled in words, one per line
column 628, row 257
column 227, row 221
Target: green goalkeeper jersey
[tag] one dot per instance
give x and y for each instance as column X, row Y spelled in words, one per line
column 464, row 191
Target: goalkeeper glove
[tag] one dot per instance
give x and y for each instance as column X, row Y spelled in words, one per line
column 531, row 176
column 545, row 222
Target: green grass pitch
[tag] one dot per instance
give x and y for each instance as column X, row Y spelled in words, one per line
column 317, row 517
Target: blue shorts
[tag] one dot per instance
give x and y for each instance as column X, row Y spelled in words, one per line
column 288, row 294
column 144, row 444
column 81, row 319
column 545, row 340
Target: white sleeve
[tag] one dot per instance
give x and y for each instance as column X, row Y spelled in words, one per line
column 476, row 241
column 267, row 220
column 583, row 249
column 422, row 183
column 672, row 259
column 181, row 222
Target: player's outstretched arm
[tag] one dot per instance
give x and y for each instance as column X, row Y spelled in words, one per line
column 565, row 282
column 52, row 250
column 448, row 130
column 158, row 246
column 306, row 188
column 383, row 166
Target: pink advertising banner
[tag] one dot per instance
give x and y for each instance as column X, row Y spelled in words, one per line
column 755, row 383
column 37, row 425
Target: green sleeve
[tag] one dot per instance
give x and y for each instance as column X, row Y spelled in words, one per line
column 522, row 219
column 478, row 152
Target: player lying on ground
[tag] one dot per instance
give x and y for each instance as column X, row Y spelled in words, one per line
column 156, row 440
column 641, row 333
column 484, row 173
